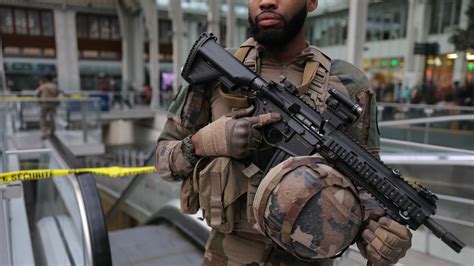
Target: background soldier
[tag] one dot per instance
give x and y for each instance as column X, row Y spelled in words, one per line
column 47, row 92
column 209, row 149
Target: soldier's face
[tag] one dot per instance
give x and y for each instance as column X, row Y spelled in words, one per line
column 277, row 22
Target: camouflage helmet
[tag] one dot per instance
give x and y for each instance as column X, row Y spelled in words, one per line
column 308, row 208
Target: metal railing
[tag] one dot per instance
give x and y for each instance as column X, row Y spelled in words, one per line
column 433, row 130
column 81, row 115
column 400, row 111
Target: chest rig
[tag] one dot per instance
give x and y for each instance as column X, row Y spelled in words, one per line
column 313, row 88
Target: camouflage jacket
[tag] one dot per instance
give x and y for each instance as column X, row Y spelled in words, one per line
column 196, row 106
column 47, row 92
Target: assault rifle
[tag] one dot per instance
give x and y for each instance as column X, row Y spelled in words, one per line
column 305, row 131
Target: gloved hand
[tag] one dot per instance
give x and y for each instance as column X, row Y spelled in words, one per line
column 384, row 241
column 233, row 135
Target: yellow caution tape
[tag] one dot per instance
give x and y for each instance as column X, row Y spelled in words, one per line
column 114, row 171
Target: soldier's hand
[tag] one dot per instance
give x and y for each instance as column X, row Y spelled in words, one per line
column 233, row 135
column 384, row 241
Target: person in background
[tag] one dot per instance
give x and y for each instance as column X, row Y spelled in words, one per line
column 102, row 84
column 147, row 95
column 429, row 92
column 47, row 92
column 117, row 94
column 11, row 86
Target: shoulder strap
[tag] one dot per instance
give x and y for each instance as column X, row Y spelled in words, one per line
column 310, row 70
column 316, row 71
column 242, row 53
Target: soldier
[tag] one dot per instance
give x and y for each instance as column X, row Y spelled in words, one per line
column 47, row 91
column 209, row 143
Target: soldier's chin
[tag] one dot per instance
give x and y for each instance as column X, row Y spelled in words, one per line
column 271, row 37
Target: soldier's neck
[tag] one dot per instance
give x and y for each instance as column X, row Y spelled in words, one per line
column 288, row 52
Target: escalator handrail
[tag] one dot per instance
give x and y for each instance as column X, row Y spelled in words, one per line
column 99, row 238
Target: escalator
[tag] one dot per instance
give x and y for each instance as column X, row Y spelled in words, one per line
column 168, row 237
column 60, row 221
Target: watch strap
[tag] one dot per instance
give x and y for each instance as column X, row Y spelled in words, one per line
column 187, row 147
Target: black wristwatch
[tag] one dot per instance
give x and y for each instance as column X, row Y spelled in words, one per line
column 187, row 147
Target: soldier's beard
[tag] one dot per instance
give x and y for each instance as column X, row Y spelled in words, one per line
column 280, row 36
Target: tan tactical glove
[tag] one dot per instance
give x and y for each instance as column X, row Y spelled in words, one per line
column 233, row 135
column 385, row 241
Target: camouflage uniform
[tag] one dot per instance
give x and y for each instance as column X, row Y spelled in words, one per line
column 47, row 91
column 196, row 106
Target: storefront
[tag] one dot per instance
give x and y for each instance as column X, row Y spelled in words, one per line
column 440, row 70
column 470, row 67
column 384, row 70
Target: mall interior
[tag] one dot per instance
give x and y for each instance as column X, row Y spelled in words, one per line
column 117, row 65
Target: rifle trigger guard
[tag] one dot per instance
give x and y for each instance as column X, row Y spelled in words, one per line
column 403, row 215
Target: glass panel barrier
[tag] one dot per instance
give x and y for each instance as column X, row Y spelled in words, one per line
column 76, row 119
column 455, row 131
column 52, row 215
column 54, row 221
column 447, row 172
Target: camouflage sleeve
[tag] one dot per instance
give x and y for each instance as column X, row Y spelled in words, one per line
column 364, row 130
column 188, row 112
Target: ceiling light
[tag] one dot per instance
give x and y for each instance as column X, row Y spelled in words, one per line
column 452, row 56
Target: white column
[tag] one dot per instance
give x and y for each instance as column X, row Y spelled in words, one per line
column 213, row 18
column 230, row 24
column 357, row 31
column 138, row 39
column 410, row 37
column 67, row 57
column 131, row 29
column 460, row 62
column 410, row 77
column 150, row 11
column 417, row 31
column 124, row 25
column 176, row 15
